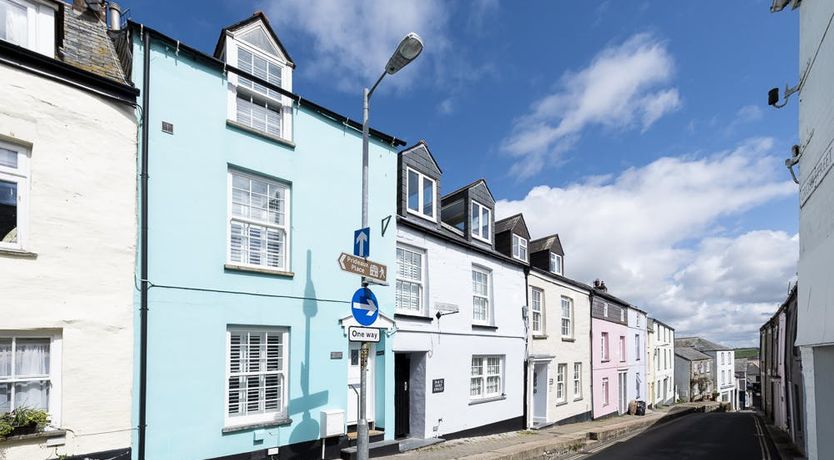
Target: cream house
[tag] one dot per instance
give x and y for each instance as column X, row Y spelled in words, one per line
column 67, row 231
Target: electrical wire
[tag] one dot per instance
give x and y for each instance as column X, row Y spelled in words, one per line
column 255, row 294
column 816, row 53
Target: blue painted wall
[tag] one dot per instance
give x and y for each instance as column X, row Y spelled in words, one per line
column 187, row 248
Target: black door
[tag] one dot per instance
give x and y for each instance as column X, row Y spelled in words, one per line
column 402, row 371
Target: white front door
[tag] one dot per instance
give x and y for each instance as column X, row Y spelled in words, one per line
column 540, row 376
column 352, row 415
column 623, row 381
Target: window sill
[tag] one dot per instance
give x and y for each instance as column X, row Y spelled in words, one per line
column 413, row 317
column 257, row 426
column 577, row 399
column 605, row 361
column 265, row 271
column 561, row 403
column 19, row 253
column 540, row 337
column 421, row 215
column 34, row 436
column 485, row 326
column 242, row 127
column 487, row 400
column 568, row 339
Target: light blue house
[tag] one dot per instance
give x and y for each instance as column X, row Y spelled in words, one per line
column 252, row 194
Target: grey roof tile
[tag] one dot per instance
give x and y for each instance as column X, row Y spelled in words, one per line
column 88, row 47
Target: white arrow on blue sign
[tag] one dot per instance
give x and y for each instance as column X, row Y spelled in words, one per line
column 362, row 242
column 364, row 307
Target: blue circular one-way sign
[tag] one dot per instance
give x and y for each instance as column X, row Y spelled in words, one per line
column 364, row 307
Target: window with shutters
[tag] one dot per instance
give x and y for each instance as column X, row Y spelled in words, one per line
column 481, row 294
column 409, row 294
column 30, row 372
column 537, row 311
column 519, row 248
column 258, row 222
column 486, row 377
column 256, row 383
column 14, row 194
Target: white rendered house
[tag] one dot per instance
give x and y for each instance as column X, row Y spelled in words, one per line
column 661, row 361
column 460, row 333
column 67, row 230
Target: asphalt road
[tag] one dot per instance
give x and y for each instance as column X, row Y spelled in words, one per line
column 713, row 436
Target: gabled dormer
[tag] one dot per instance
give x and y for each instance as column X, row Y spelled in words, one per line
column 252, row 47
column 512, row 238
column 547, row 254
column 470, row 210
column 418, row 183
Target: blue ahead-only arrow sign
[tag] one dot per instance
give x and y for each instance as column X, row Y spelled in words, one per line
column 362, row 242
column 364, row 307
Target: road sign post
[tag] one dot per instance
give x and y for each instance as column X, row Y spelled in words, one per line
column 369, row 269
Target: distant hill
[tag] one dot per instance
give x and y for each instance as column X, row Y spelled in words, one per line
column 746, row 353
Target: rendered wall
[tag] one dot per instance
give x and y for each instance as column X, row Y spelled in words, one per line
column 82, row 227
column 606, row 369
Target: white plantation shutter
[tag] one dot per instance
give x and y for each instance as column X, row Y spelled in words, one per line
column 257, row 373
column 409, row 280
column 258, row 224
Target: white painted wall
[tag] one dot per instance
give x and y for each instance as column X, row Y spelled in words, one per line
column 451, row 342
column 564, row 350
column 727, row 389
column 815, row 318
column 636, row 357
column 82, row 224
column 663, row 370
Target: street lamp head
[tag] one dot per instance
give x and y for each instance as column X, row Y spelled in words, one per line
column 410, row 47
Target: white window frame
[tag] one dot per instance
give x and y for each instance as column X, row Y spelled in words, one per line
column 605, row 344
column 605, row 387
column 623, row 345
column 485, row 375
column 577, row 381
column 421, row 283
column 285, row 227
column 605, row 309
column 637, row 347
column 421, row 185
column 20, row 177
column 40, row 22
column 567, row 321
column 519, row 248
column 266, row 416
column 556, row 263
column 55, row 375
column 537, row 308
column 561, row 381
column 476, row 231
column 622, row 314
column 487, row 297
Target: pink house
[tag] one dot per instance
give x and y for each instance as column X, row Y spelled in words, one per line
column 609, row 348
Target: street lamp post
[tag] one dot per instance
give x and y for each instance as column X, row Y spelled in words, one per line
column 409, row 48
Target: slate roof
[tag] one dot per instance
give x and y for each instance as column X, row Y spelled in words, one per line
column 700, row 344
column 257, row 15
column 741, row 365
column 690, row 354
column 506, row 224
column 87, row 46
column 548, row 243
column 468, row 186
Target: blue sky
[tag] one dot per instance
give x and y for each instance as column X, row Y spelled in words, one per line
column 636, row 130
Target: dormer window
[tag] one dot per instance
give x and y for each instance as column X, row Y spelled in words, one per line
column 421, row 192
column 519, row 248
column 30, row 25
column 555, row 263
column 252, row 105
column 481, row 221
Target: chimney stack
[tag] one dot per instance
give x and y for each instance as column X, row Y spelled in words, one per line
column 115, row 16
column 600, row 285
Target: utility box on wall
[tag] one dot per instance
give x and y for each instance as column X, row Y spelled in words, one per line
column 332, row 423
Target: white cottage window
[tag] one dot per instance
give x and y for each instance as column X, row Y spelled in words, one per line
column 30, row 372
column 480, row 295
column 481, row 221
column 258, row 222
column 567, row 317
column 561, row 376
column 14, row 194
column 420, row 192
column 256, row 375
column 556, row 263
column 409, row 293
column 485, row 379
column 519, row 248
column 537, row 313
column 577, row 381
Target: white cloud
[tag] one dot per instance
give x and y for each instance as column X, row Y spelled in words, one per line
column 352, row 41
column 447, row 106
column 749, row 113
column 652, row 233
column 623, row 86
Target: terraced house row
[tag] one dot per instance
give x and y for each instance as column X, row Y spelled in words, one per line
column 170, row 223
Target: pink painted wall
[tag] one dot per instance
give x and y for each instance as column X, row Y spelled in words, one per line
column 607, row 369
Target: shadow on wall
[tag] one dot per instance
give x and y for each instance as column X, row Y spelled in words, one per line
column 308, row 429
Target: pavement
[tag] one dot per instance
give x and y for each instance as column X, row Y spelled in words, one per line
column 718, row 435
column 553, row 442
